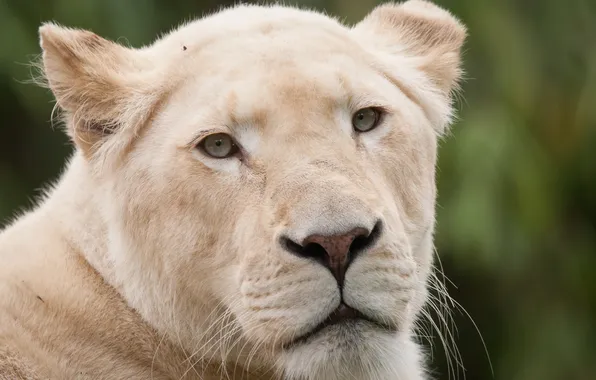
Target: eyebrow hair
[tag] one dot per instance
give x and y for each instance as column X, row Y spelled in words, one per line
column 399, row 85
column 258, row 117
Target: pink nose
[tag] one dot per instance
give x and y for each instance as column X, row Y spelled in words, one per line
column 336, row 248
column 336, row 252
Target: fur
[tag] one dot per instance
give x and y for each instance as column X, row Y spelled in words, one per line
column 151, row 260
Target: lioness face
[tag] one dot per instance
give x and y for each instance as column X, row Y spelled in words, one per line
column 274, row 202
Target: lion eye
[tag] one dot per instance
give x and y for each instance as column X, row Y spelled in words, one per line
column 218, row 145
column 365, row 119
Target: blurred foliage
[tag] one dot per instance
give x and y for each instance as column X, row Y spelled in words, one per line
column 517, row 184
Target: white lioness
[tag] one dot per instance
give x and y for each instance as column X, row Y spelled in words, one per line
column 251, row 196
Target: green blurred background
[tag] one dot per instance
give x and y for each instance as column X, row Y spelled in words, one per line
column 517, row 177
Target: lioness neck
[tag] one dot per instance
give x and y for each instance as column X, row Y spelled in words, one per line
column 59, row 299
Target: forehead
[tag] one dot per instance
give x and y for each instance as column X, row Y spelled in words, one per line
column 246, row 22
column 251, row 64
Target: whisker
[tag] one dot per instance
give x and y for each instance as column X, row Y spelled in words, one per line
column 448, row 304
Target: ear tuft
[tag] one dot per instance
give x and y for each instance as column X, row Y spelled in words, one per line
column 67, row 40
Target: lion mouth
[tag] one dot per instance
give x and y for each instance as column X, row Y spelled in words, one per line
column 344, row 314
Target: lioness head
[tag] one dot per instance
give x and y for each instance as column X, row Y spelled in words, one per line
column 265, row 176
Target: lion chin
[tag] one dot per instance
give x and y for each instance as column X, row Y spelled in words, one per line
column 352, row 350
column 251, row 196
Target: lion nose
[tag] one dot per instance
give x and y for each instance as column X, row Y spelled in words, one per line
column 336, row 252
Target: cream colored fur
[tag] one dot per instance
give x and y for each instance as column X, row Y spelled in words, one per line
column 151, row 260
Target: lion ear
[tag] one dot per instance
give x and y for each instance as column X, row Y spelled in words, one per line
column 99, row 84
column 420, row 29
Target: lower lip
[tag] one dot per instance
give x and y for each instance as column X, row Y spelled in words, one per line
column 304, row 338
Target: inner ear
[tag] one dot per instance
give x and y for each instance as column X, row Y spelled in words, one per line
column 88, row 135
column 421, row 30
column 102, row 87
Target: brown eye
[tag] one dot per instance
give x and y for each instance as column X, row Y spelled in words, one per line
column 218, row 145
column 366, row 119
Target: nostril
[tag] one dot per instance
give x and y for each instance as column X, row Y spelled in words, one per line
column 291, row 245
column 363, row 241
column 315, row 251
column 311, row 250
